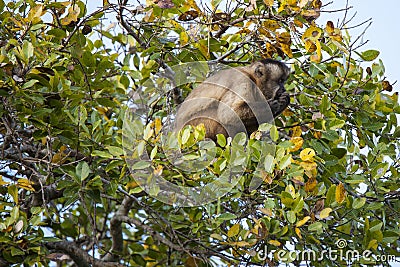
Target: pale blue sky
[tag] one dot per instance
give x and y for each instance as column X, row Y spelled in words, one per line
column 383, row 34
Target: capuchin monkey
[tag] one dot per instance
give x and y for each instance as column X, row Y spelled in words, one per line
column 237, row 100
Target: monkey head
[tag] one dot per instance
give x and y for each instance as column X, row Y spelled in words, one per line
column 270, row 76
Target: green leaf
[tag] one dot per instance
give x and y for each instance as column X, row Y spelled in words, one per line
column 379, row 170
column 16, row 252
column 274, row 133
column 269, row 163
column 227, row 216
column 13, row 191
column 29, row 84
column 325, row 104
column 115, row 151
column 102, row 154
column 369, row 55
column 27, row 49
column 221, row 140
column 82, row 170
column 88, row 59
column 359, row 203
column 141, row 165
column 291, row 216
column 315, row 227
column 376, row 227
column 336, row 124
column 285, row 161
column 339, row 152
column 185, row 135
column 1, row 5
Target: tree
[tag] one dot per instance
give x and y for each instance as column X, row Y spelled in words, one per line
column 77, row 169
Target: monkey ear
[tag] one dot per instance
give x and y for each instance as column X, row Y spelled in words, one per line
column 259, row 70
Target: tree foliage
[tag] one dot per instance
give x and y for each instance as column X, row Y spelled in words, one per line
column 70, row 74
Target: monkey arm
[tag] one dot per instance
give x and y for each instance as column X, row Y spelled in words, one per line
column 278, row 105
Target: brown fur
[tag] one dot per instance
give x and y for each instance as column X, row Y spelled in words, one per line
column 225, row 102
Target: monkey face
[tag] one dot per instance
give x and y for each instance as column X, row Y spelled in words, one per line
column 271, row 76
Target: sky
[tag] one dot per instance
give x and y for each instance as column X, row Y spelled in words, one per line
column 383, row 34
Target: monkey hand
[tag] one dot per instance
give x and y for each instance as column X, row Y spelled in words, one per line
column 279, row 104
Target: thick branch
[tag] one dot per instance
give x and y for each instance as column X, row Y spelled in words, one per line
column 116, row 230
column 78, row 255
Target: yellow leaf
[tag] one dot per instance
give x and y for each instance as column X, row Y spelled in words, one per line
column 158, row 171
column 308, row 165
column 60, row 156
column 287, row 113
column 177, row 25
column 330, row 28
column 325, row 213
column 298, row 23
column 298, row 143
column 269, row 3
column 266, row 211
column 333, row 33
column 184, row 38
column 216, row 236
column 193, row 4
column 317, row 134
column 310, row 46
column 373, row 244
column 303, row 221
column 310, row 185
column 25, row 184
column 103, row 111
column 298, row 233
column 240, row 244
column 275, row 243
column 35, row 13
column 234, row 230
column 286, row 49
column 266, row 177
column 157, row 125
column 340, row 193
column 203, row 49
column 2, row 182
column 317, row 57
column 307, row 154
column 148, row 132
column 297, row 131
column 73, row 13
column 313, row 33
column 131, row 185
column 271, row 24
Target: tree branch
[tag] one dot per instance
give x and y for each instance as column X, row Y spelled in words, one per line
column 78, row 255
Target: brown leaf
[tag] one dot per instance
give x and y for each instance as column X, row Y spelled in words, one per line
column 386, row 86
column 330, row 28
column 319, row 205
column 221, row 16
column 188, row 15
